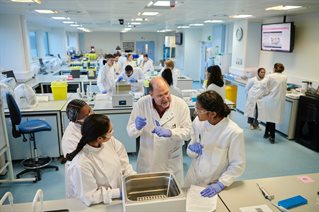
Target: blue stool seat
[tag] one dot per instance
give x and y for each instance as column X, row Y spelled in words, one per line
column 33, row 126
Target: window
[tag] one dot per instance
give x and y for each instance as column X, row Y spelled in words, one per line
column 33, row 44
column 46, row 43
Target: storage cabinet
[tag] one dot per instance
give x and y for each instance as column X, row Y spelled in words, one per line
column 307, row 129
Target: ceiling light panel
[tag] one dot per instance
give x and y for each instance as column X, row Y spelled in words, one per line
column 241, row 16
column 60, row 18
column 282, row 7
column 213, row 21
column 196, row 24
column 27, row 1
column 46, row 11
column 149, row 13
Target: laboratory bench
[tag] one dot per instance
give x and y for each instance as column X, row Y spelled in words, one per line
column 238, row 195
column 246, row 193
column 288, row 125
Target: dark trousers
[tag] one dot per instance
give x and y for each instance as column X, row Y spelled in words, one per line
column 254, row 121
column 270, row 129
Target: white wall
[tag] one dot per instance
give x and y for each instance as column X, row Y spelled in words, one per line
column 14, row 46
column 303, row 62
column 192, row 53
column 104, row 42
column 57, row 41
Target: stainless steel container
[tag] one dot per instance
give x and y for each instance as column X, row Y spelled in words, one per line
column 152, row 191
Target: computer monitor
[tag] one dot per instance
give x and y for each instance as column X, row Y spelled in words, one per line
column 9, row 74
column 75, row 73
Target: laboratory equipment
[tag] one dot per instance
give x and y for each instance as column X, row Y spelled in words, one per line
column 292, row 202
column 121, row 96
column 25, row 96
column 265, row 193
column 152, row 191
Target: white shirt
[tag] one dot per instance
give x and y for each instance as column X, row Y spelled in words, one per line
column 223, row 157
column 160, row 153
column 137, row 75
column 95, row 174
column 106, row 78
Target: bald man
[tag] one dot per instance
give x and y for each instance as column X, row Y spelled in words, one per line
column 162, row 121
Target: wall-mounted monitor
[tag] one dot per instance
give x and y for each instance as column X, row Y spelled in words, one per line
column 178, row 38
column 278, row 37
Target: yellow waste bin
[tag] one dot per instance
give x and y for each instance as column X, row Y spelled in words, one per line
column 59, row 90
column 231, row 93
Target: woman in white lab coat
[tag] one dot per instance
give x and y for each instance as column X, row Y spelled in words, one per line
column 98, row 163
column 217, row 146
column 175, row 71
column 215, row 81
column 135, row 77
column 271, row 107
column 162, row 121
column 77, row 111
column 106, row 78
column 167, row 75
column 256, row 88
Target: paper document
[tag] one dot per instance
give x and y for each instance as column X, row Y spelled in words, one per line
column 195, row 202
column 256, row 208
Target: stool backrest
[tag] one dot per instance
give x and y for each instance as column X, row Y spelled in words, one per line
column 15, row 114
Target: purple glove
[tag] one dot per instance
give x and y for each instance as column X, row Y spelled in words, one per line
column 119, row 79
column 196, row 147
column 212, row 189
column 140, row 122
column 161, row 131
column 133, row 80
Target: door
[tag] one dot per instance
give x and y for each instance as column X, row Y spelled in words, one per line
column 146, row 47
column 204, row 57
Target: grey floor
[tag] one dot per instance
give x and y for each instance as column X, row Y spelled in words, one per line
column 285, row 157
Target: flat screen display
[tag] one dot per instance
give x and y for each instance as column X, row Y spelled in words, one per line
column 178, row 38
column 277, row 37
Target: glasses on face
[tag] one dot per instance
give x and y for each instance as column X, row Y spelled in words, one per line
column 108, row 135
column 200, row 111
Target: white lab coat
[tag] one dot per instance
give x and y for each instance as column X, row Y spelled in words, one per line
column 255, row 89
column 106, row 78
column 175, row 74
column 71, row 138
column 271, row 107
column 147, row 66
column 139, row 76
column 223, row 157
column 96, row 173
column 117, row 68
column 159, row 153
column 219, row 90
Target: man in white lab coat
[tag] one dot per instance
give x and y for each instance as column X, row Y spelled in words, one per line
column 135, row 77
column 271, row 107
column 106, row 78
column 147, row 65
column 162, row 121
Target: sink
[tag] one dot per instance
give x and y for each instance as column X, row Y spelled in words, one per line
column 152, row 191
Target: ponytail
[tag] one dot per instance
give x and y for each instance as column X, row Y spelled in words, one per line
column 226, row 111
column 79, row 147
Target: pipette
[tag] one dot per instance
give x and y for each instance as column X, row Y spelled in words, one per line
column 265, row 193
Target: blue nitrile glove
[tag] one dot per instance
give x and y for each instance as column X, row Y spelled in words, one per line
column 121, row 194
column 196, row 147
column 140, row 122
column 120, row 79
column 133, row 80
column 212, row 189
column 104, row 92
column 161, row 131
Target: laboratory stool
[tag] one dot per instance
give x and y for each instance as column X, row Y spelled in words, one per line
column 30, row 127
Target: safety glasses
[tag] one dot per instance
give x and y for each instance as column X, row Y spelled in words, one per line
column 197, row 111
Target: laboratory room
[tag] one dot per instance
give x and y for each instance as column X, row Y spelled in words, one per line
column 140, row 105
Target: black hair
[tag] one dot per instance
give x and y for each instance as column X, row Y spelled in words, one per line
column 260, row 69
column 215, row 76
column 93, row 127
column 279, row 67
column 74, row 108
column 167, row 75
column 211, row 101
column 128, row 68
column 145, row 55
